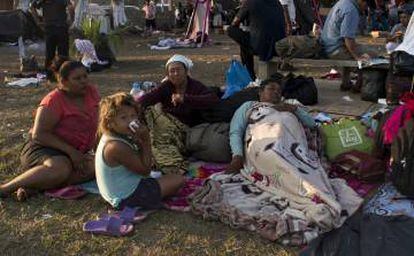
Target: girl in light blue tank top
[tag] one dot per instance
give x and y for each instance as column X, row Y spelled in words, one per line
column 124, row 159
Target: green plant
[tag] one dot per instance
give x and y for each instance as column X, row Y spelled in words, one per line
column 91, row 31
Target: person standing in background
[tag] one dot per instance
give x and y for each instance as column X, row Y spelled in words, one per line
column 261, row 38
column 150, row 12
column 55, row 27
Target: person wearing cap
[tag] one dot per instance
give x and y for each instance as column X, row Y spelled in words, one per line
column 182, row 99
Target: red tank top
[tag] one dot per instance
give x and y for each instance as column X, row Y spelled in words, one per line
column 76, row 126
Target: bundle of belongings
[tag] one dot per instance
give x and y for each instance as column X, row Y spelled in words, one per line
column 300, row 46
column 384, row 226
column 89, row 57
column 170, row 43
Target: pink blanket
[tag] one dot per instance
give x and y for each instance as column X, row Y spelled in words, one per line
column 197, row 174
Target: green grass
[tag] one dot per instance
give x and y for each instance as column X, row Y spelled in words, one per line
column 43, row 226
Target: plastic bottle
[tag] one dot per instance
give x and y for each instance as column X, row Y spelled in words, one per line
column 136, row 91
column 148, row 86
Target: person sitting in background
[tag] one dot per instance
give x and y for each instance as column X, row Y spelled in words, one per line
column 339, row 33
column 181, row 95
column 396, row 35
column 58, row 152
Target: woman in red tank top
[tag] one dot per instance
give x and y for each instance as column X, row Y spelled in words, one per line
column 63, row 135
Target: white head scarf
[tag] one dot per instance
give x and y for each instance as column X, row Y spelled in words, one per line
column 182, row 59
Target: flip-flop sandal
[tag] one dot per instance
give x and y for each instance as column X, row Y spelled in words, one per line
column 66, row 193
column 109, row 227
column 179, row 204
column 129, row 215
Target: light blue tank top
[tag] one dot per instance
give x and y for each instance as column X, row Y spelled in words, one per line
column 114, row 183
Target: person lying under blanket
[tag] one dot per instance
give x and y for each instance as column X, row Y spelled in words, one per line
column 280, row 169
column 270, row 92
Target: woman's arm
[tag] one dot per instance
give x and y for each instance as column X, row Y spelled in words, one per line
column 306, row 119
column 155, row 96
column 237, row 131
column 43, row 134
column 204, row 100
column 198, row 96
column 303, row 116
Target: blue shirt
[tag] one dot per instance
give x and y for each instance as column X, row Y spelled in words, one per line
column 239, row 122
column 342, row 22
column 114, row 183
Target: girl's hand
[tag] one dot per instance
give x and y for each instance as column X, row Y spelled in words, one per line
column 142, row 135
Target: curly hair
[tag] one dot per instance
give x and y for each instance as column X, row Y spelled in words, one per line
column 109, row 108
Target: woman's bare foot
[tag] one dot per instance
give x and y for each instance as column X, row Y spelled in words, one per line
column 22, row 194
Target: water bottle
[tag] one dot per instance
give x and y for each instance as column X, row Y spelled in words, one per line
column 148, row 86
column 136, row 91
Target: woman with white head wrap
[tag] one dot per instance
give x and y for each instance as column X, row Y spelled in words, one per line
column 182, row 99
column 180, row 95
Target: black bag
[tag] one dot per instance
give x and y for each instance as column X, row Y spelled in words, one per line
column 373, row 84
column 301, row 88
column 209, row 142
column 402, row 63
column 396, row 85
column 402, row 153
column 224, row 110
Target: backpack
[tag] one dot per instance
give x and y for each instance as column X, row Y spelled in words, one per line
column 402, row 63
column 301, row 88
column 209, row 142
column 373, row 85
column 402, row 153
